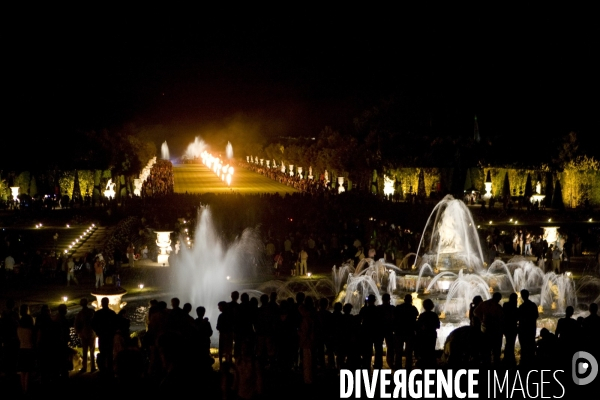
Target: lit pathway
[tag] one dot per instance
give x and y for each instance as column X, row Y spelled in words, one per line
column 197, row 178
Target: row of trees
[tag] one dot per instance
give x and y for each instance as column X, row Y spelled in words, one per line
column 98, row 156
column 365, row 166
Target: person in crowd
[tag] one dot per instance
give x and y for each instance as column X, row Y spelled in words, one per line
column 528, row 315
column 83, row 328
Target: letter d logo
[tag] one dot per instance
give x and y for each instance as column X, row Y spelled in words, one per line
column 583, row 363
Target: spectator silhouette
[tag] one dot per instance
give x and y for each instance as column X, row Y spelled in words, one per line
column 104, row 324
column 427, row 326
column 511, row 325
column 528, row 315
column 405, row 320
column 492, row 318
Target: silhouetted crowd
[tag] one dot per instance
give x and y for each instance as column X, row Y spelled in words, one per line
column 262, row 338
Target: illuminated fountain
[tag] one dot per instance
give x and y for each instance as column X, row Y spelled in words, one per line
column 14, row 190
column 164, row 151
column 163, row 241
column 203, row 274
column 113, row 293
column 291, row 169
column 550, row 234
column 341, row 184
column 137, row 183
column 449, row 268
column 110, row 189
column 488, row 187
column 310, row 175
column 538, row 196
column 229, row 150
column 300, row 173
column 388, row 185
column 196, row 148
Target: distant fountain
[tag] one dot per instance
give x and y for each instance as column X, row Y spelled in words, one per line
column 137, row 183
column 202, row 272
column 164, row 151
column 163, row 241
column 14, row 190
column 196, row 148
column 229, row 150
column 550, row 234
column 110, row 189
column 388, row 185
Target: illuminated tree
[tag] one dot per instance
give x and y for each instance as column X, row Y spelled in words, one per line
column 557, row 198
column 506, row 188
column 528, row 187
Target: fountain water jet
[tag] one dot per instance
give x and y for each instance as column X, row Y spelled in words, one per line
column 200, row 272
column 164, row 151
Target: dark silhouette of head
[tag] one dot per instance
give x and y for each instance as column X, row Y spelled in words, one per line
column 385, row 299
column 408, row 299
column 371, row 300
column 104, row 302
column 175, row 302
column 264, row 299
column 428, row 305
column 525, row 294
column 593, row 308
column 83, row 302
column 497, row 296
column 235, row 295
column 569, row 311
column 200, row 311
column 513, row 298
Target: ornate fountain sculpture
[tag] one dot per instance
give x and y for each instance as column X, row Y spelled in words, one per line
column 163, row 241
column 110, row 189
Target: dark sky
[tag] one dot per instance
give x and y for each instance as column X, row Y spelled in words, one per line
column 530, row 75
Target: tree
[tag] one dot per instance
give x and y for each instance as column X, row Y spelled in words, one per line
column 567, row 150
column 421, row 193
column 506, row 188
column 528, row 187
column 549, row 189
column 557, row 199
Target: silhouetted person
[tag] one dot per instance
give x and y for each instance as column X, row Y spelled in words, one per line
column 427, row 326
column 83, row 328
column 547, row 349
column 492, row 318
column 104, row 324
column 386, row 310
column 62, row 332
column 511, row 325
column 324, row 335
column 591, row 330
column 225, row 328
column 476, row 336
column 568, row 333
column 528, row 315
column 371, row 334
column 204, row 331
column 405, row 321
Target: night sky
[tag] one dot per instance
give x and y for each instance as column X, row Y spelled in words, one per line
column 530, row 75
